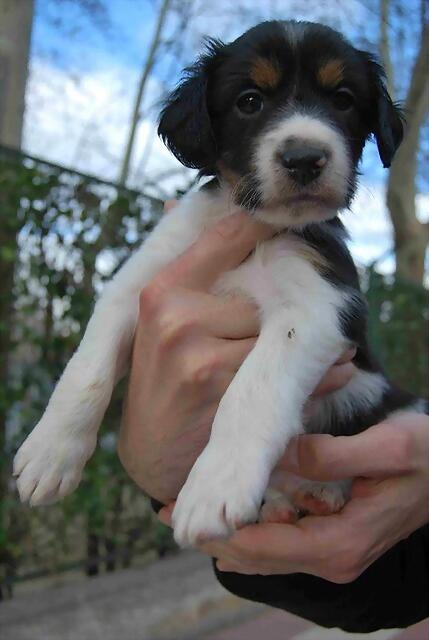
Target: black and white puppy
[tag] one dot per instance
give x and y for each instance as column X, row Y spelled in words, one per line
column 279, row 117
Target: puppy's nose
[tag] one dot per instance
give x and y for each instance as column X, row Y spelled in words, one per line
column 304, row 164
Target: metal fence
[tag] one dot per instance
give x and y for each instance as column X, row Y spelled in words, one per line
column 62, row 233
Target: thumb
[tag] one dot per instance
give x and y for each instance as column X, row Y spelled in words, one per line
column 389, row 448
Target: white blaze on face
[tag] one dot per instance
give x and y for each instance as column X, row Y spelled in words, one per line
column 275, row 183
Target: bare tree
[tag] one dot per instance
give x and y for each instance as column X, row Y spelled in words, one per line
column 411, row 235
column 146, row 71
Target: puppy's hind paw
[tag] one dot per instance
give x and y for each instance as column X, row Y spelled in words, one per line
column 321, row 498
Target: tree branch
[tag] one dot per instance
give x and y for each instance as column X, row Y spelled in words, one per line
column 141, row 87
column 385, row 46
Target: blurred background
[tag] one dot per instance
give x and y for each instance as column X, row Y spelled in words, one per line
column 83, row 178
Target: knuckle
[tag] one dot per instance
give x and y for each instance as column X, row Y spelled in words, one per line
column 173, row 327
column 197, row 370
column 150, row 300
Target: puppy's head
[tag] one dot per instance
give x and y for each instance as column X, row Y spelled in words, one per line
column 282, row 114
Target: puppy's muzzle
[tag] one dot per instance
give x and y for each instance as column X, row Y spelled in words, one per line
column 303, row 161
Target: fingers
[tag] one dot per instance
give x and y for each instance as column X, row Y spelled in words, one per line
column 231, row 318
column 266, row 548
column 219, row 249
column 336, row 378
column 179, row 313
column 274, row 548
column 347, row 356
column 338, row 375
column 169, row 205
column 165, row 513
column 204, row 372
column 232, row 353
column 235, row 567
column 389, row 448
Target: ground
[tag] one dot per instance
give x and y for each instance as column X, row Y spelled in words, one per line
column 176, row 598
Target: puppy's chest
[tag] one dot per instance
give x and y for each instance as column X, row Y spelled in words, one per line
column 283, row 271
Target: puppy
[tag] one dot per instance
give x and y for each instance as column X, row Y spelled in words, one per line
column 279, row 119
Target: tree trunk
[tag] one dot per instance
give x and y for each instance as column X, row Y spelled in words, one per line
column 15, row 34
column 411, row 237
column 92, row 567
column 16, row 17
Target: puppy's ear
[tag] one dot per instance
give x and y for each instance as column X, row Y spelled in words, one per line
column 184, row 124
column 387, row 118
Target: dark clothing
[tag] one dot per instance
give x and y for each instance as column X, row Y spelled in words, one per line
column 392, row 592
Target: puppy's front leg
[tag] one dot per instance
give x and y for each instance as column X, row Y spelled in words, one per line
column 258, row 415
column 50, row 462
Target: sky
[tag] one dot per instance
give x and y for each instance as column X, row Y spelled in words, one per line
column 84, row 74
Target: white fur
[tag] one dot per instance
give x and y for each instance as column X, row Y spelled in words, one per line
column 262, row 408
column 335, row 175
column 363, row 391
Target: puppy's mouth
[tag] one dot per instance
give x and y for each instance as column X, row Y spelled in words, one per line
column 309, row 199
column 319, row 201
column 306, row 198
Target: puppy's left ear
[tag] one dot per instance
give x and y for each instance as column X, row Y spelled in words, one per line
column 387, row 118
column 185, row 124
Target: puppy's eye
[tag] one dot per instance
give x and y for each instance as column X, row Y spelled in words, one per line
column 250, row 103
column 343, row 99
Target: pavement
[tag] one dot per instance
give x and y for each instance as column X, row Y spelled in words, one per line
column 278, row 625
column 177, row 598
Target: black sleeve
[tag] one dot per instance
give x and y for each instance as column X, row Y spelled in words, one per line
column 392, row 592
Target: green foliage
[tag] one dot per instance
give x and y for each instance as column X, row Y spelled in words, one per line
column 399, row 330
column 62, row 234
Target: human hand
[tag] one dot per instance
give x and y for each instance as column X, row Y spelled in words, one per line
column 188, row 346
column 390, row 500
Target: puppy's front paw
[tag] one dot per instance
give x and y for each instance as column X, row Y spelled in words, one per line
column 321, row 498
column 49, row 464
column 219, row 496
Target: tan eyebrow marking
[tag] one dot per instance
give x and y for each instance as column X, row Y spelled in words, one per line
column 265, row 73
column 331, row 73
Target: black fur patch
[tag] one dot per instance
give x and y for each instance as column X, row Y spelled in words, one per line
column 204, row 127
column 201, row 126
